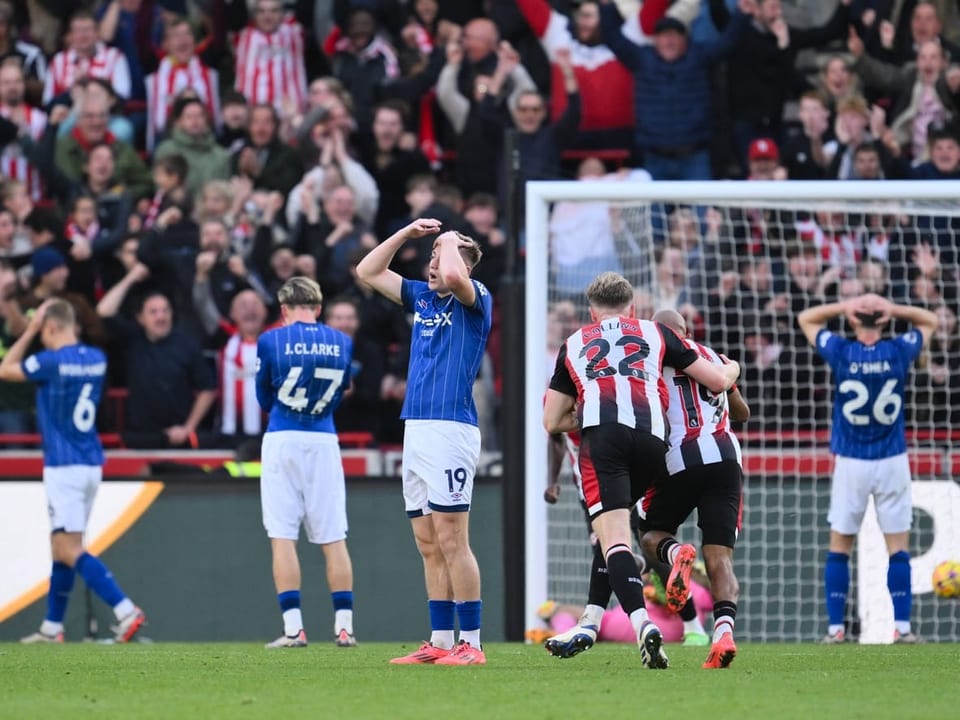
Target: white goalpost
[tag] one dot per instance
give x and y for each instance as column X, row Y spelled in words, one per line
column 740, row 259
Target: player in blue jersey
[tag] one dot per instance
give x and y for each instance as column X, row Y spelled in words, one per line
column 302, row 371
column 452, row 315
column 69, row 378
column 869, row 442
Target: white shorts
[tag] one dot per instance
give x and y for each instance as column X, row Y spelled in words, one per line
column 71, row 490
column 855, row 480
column 301, row 481
column 439, row 464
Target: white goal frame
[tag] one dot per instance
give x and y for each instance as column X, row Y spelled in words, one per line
column 539, row 196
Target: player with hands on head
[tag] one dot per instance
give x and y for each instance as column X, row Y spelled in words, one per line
column 441, row 444
column 611, row 371
column 868, row 438
column 69, row 377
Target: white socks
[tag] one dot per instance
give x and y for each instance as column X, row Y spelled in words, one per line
column 292, row 622
column 124, row 608
column 442, row 639
column 592, row 615
column 343, row 620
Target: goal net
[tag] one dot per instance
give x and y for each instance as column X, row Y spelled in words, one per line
column 740, row 261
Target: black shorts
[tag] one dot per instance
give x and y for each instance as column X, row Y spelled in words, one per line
column 617, row 465
column 715, row 490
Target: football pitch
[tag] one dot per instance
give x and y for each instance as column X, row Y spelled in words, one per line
column 238, row 681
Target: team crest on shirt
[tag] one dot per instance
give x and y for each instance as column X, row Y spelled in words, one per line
column 422, row 304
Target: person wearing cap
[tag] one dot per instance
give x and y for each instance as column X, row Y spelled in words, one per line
column 672, row 91
column 764, row 161
column 50, row 274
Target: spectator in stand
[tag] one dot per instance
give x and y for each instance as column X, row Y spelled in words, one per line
column 129, row 26
column 361, row 409
column 17, row 400
column 232, row 135
column 853, row 130
column 867, row 164
column 335, row 167
column 193, row 138
column 47, row 230
column 15, row 162
column 364, row 60
column 837, row 82
column 270, row 60
column 476, row 89
column 50, row 275
column 606, row 85
column 482, row 212
column 269, row 163
column 900, row 45
column 803, row 154
column 180, row 69
column 762, row 68
column 240, row 416
column 944, row 162
column 90, row 239
column 331, row 237
column 763, row 160
column 935, row 400
column 390, row 165
column 671, row 91
column 72, row 150
column 29, row 57
column 924, row 92
column 540, row 143
column 169, row 178
column 171, row 385
column 85, row 56
column 118, row 124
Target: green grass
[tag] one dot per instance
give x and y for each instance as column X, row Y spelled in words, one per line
column 239, row 681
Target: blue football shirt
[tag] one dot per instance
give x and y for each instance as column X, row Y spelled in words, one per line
column 446, row 350
column 302, row 371
column 69, row 387
column 868, row 398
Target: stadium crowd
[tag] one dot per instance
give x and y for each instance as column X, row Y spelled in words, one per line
column 168, row 164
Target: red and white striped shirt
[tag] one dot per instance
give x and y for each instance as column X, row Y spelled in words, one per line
column 13, row 163
column 270, row 67
column 615, row 369
column 240, row 412
column 700, row 432
column 67, row 67
column 166, row 84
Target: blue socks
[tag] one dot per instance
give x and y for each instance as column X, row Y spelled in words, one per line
column 289, row 600
column 898, row 582
column 99, row 579
column 61, row 583
column 442, row 613
column 468, row 613
column 836, row 580
column 342, row 600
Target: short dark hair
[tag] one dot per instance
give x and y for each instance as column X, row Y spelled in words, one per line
column 175, row 164
column 398, row 106
column 182, row 103
column 148, row 296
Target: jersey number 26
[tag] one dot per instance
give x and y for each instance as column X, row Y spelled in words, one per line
column 885, row 409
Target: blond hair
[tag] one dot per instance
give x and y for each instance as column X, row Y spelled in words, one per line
column 610, row 291
column 300, row 292
column 61, row 313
